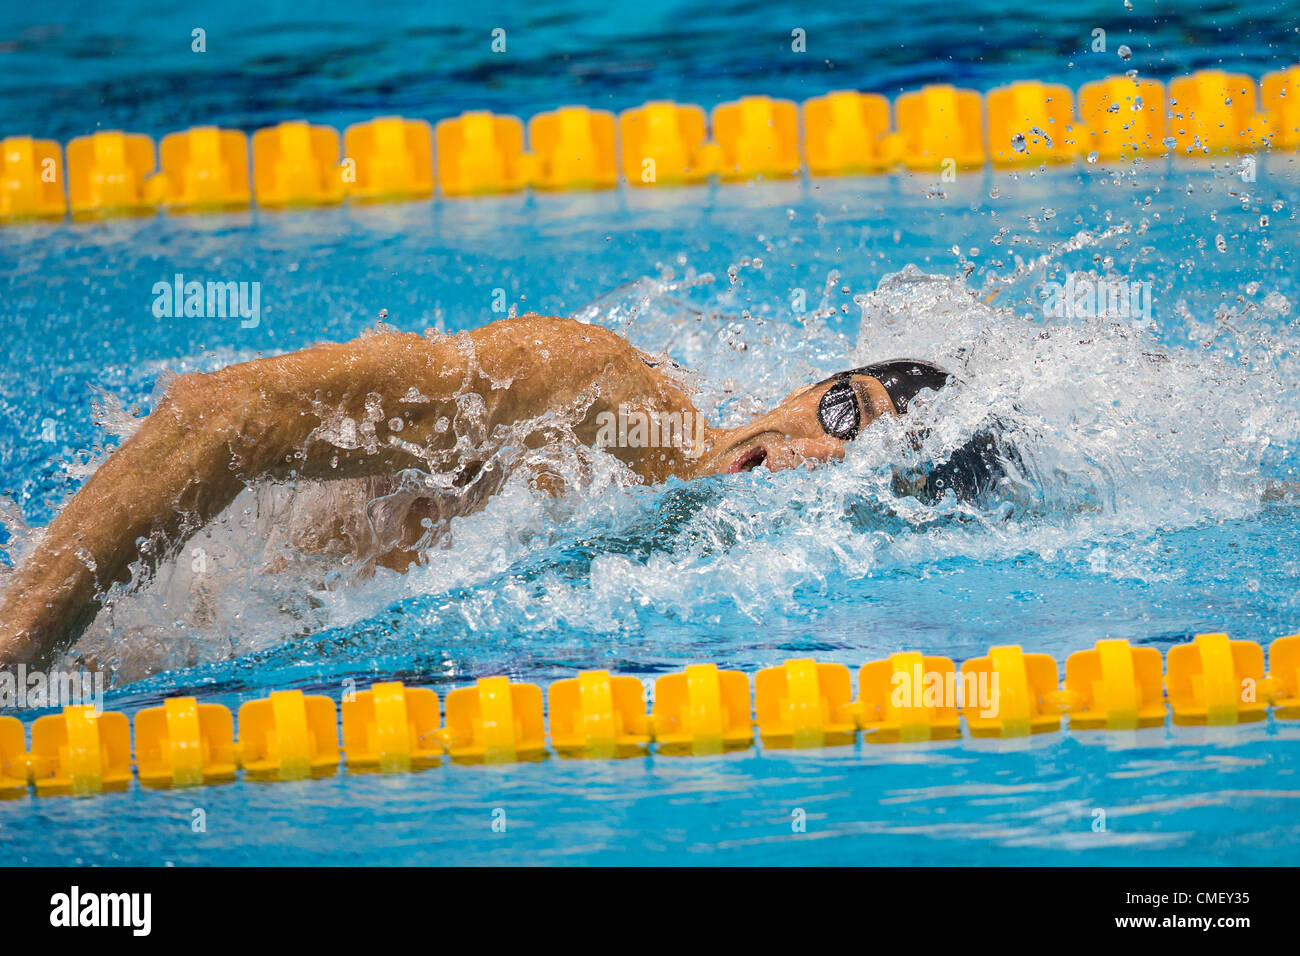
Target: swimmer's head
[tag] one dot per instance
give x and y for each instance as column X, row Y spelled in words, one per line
column 815, row 423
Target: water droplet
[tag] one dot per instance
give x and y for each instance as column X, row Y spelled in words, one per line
column 1220, row 243
column 1124, row 53
column 1018, row 143
column 1113, row 108
column 1049, row 214
column 1092, row 157
column 1137, row 104
column 1263, row 220
column 383, row 313
column 1169, row 142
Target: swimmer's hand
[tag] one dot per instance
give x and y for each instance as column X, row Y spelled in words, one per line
column 321, row 413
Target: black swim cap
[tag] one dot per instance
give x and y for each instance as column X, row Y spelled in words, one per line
column 902, row 379
column 838, row 410
column 975, row 467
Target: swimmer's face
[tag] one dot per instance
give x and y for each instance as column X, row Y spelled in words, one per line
column 813, row 424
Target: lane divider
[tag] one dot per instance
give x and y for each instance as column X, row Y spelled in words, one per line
column 1019, row 686
column 1282, row 107
column 573, row 148
column 31, row 180
column 1114, row 686
column 702, row 711
column 481, row 153
column 185, row 742
column 596, row 715
column 1206, row 679
column 106, row 174
column 288, row 736
column 1126, row 116
column 391, row 728
column 388, row 158
column 297, row 164
column 1215, row 110
column 926, row 713
column 80, row 752
column 804, row 704
column 1284, row 675
column 204, row 169
column 665, row 143
column 111, row 173
column 495, row 721
column 906, row 698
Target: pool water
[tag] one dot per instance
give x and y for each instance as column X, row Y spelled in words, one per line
column 1148, row 443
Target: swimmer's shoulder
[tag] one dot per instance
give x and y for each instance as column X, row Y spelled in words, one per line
column 557, row 337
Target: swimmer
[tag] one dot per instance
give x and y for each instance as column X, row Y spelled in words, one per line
column 383, row 403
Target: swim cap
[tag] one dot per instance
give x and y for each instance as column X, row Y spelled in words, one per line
column 903, row 379
column 838, row 410
column 973, row 468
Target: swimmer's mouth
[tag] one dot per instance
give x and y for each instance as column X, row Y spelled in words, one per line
column 749, row 460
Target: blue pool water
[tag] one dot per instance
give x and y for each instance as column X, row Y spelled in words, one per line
column 1148, row 444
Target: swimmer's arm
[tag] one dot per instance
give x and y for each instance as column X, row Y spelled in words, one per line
column 208, row 437
column 213, row 434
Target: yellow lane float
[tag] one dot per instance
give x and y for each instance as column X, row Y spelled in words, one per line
column 1216, row 681
column 203, row 169
column 391, row 728
column 908, row 698
column 495, row 721
column 596, row 715
column 184, row 743
column 480, row 153
column 1017, row 691
column 573, row 148
column 702, row 710
column 1114, row 686
column 81, row 751
column 804, row 704
column 297, row 164
column 289, row 735
column 31, row 179
column 107, row 173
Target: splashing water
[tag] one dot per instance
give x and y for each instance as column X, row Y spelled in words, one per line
column 1117, row 435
